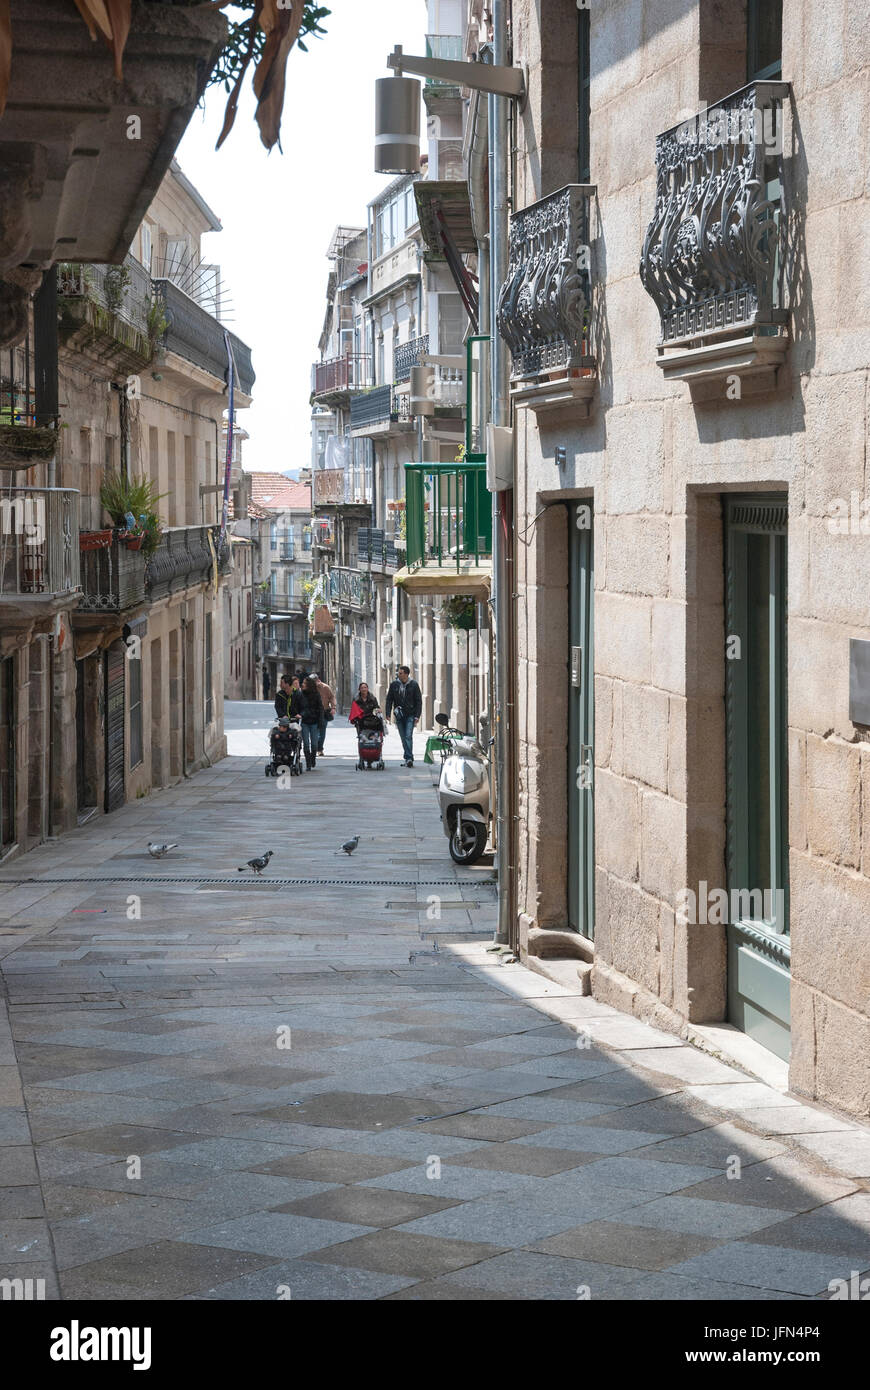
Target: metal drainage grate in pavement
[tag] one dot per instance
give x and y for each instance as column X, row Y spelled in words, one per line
column 248, row 882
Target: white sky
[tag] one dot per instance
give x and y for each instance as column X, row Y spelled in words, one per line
column 278, row 211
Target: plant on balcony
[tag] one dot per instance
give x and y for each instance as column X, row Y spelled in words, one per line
column 23, row 446
column 115, row 283
column 157, row 322
column 459, row 612
column 137, row 497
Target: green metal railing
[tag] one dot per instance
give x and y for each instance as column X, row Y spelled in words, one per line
column 449, row 515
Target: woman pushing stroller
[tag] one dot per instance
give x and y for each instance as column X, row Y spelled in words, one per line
column 365, row 715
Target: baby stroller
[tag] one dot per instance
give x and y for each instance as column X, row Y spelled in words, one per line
column 370, row 743
column 285, row 743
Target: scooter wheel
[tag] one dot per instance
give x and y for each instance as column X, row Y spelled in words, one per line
column 467, row 842
column 381, row 767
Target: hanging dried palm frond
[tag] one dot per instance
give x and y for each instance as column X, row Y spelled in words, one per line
column 112, row 19
column 270, row 77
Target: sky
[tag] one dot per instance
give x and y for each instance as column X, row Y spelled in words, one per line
column 278, row 211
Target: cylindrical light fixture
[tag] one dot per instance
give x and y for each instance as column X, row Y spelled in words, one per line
column 422, row 390
column 397, row 125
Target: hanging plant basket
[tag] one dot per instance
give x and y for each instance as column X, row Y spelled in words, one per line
column 23, row 446
column 460, row 612
column 95, row 540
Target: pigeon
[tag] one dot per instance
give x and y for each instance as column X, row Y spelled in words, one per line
column 158, row 851
column 258, row 865
column 350, row 845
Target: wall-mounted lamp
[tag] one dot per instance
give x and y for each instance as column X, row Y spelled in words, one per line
column 561, row 455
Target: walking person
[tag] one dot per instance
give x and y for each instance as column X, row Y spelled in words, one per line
column 328, row 701
column 267, row 683
column 310, row 708
column 405, row 702
column 284, row 698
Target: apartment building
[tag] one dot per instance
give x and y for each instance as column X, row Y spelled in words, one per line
column 688, row 321
column 282, row 593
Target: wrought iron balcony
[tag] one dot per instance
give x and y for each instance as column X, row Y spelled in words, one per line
column 544, row 307
column 408, row 355
column 39, row 542
column 194, row 334
column 113, row 577
column 184, row 557
column 379, row 408
column 339, row 375
column 713, row 254
column 28, row 435
column 270, row 603
column 449, row 516
column 349, row 588
column 107, row 309
column 370, row 545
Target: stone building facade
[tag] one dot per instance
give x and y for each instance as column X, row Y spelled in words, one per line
column 691, row 564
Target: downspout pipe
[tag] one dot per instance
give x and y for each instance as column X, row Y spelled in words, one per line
column 502, row 511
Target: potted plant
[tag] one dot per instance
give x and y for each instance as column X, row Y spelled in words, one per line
column 95, row 540
column 132, row 505
column 459, row 612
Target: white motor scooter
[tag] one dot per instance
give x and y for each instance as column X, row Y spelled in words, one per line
column 463, row 794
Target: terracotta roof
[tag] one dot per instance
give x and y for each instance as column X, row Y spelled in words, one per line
column 279, row 494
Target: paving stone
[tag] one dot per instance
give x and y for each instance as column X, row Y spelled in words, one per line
column 492, row 1127
column 535, row 1162
column 368, row 1206
column 20, row 1201
column 820, row 1231
column 275, row 1233
column 307, row 1282
column 333, row 1165
column 166, row 1269
column 714, row 1147
column 617, row 1243
column 595, row 1138
column 848, row 1151
column 404, row 1252
column 697, row 1217
column 543, row 1276
column 24, row 1240
column 645, row 1174
column 454, row 1180
column 126, row 1139
column 17, row 1166
column 673, row 1288
column 513, row 1220
column 445, row 1290
column 768, row 1267
column 349, row 1110
column 783, row 1182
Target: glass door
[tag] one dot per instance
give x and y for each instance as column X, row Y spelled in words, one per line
column 581, row 725
column 757, row 842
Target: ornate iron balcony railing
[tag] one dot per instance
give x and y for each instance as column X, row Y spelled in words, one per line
column 39, row 541
column 349, row 588
column 407, row 355
column 339, row 375
column 113, row 578
column 544, row 304
column 712, row 257
column 183, row 558
column 373, row 407
column 193, row 333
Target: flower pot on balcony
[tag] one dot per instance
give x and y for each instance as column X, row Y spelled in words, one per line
column 23, row 446
column 95, row 540
column 133, row 542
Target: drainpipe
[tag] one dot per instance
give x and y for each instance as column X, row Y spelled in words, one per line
column 501, row 510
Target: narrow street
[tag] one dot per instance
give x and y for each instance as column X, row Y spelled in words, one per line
column 240, row 1088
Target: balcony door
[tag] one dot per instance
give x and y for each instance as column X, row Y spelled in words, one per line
column 7, row 753
column 114, row 706
column 581, row 725
column 759, row 952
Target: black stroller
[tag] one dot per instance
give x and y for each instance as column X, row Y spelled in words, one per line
column 285, row 744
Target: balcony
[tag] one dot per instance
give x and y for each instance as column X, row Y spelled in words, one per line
column 545, row 305
column 713, row 254
column 185, row 557
column 105, row 312
column 113, row 577
column 285, row 650
column 350, row 588
column 323, row 529
column 191, row 333
column 39, row 552
column 327, row 489
column 383, row 410
column 449, row 46
column 448, row 529
column 408, row 355
column 28, row 436
column 332, row 381
column 271, row 603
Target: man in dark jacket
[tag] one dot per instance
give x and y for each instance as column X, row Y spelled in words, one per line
column 405, row 701
column 284, row 697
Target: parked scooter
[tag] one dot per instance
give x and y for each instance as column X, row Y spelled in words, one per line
column 463, row 794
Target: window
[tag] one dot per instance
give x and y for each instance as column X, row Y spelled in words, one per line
column 763, row 40
column 209, row 700
column 146, row 246
column 134, row 666
column 393, row 218
column 583, row 75
column 451, row 323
